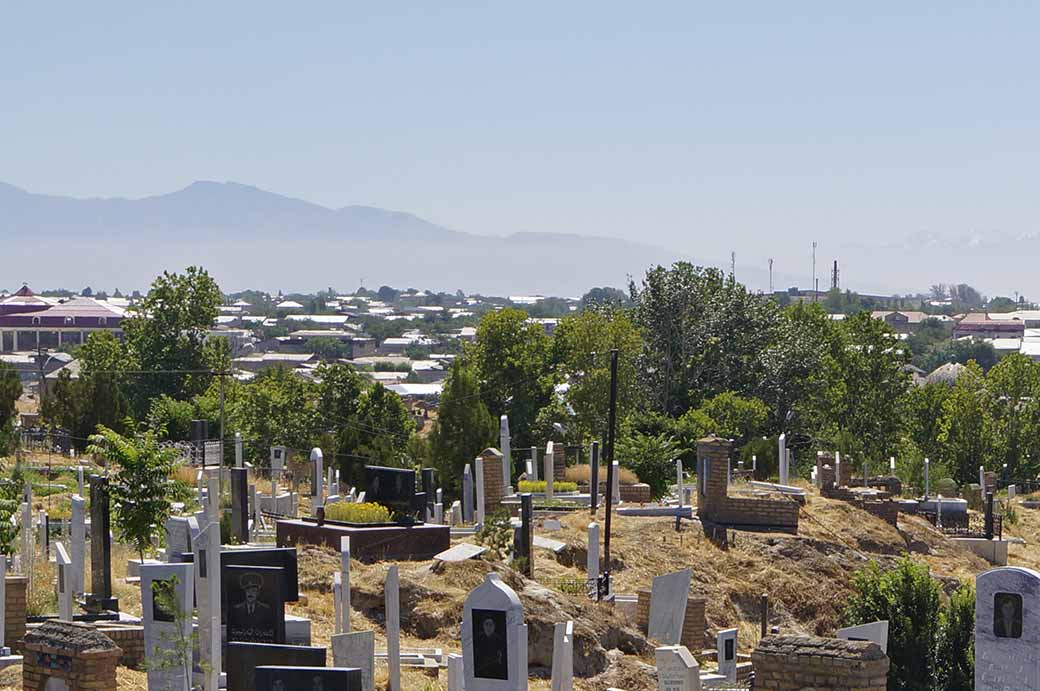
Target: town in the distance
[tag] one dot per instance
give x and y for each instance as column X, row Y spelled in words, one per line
column 672, row 484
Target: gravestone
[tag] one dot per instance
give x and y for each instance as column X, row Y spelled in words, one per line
column 178, row 537
column 244, row 658
column 358, row 650
column 550, row 469
column 208, row 589
column 782, row 458
column 284, row 557
column 344, row 571
column 526, row 542
column 592, row 557
column 677, row 669
column 238, row 449
column 240, row 504
column 1007, row 629
column 876, row 631
column 392, row 604
column 456, row 672
column 308, row 679
column 256, row 606
column 927, row 484
column 534, row 464
column 478, row 463
column 594, row 476
column 726, row 650
column 615, row 486
column 65, row 598
column 79, row 480
column 563, row 657
column 668, row 596
column 467, row 494
column 167, row 594
column 317, row 470
column 507, row 458
column 679, row 480
column 78, row 543
column 100, row 548
column 391, row 487
column 494, row 638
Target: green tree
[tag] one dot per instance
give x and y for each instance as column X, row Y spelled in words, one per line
column 463, row 428
column 1013, row 386
column 955, row 653
column 511, row 357
column 326, row 348
column 865, row 376
column 276, row 408
column 382, row 427
column 10, row 392
column 704, row 334
column 140, row 485
column 582, row 344
column 651, row 458
column 165, row 336
column 966, row 430
column 736, row 417
column 793, row 366
column 909, row 599
column 605, row 296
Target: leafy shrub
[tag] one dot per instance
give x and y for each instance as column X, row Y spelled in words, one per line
column 651, row 457
column 946, row 487
column 539, row 486
column 365, row 512
column 496, row 534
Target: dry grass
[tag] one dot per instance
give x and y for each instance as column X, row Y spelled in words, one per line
column 583, row 473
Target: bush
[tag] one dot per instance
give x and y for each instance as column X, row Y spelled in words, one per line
column 539, row 486
column 651, row 458
column 365, row 512
column 497, row 535
column 946, row 487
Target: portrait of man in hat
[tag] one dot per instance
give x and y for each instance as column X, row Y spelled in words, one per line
column 252, row 613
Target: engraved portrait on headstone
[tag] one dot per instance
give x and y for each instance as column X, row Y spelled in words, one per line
column 1007, row 615
column 489, row 644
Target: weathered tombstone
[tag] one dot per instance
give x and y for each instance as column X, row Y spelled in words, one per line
column 1012, row 491
column 392, row 604
column 100, row 548
column 256, row 608
column 549, row 470
column 344, row 571
column 456, row 513
column 479, row 465
column 438, row 513
column 1007, row 629
column 238, row 449
column 244, row 658
column 615, row 488
column 592, row 557
column 503, row 445
column 668, row 596
column 79, row 480
column 64, row 564
column 876, row 631
column 78, row 543
column 679, row 480
column 167, row 595
column 317, row 469
column 467, row 494
column 357, row 649
column 178, row 537
column 240, row 504
column 726, row 649
column 782, row 456
column 456, row 672
column 563, row 657
column 594, row 476
column 307, row 678
column 677, row 669
column 494, row 638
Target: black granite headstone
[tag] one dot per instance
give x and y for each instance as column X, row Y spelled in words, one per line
column 284, row 557
column 242, row 659
column 100, row 548
column 240, row 504
column 308, row 679
column 394, row 487
column 429, row 487
column 256, row 610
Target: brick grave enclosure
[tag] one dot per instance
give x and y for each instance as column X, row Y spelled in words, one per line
column 695, row 625
column 76, row 653
column 885, row 509
column 715, row 507
column 493, row 489
column 15, row 610
column 793, row 663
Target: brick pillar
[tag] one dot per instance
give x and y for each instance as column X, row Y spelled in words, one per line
column 713, row 463
column 15, row 611
column 559, row 462
column 695, row 623
column 493, row 489
column 846, row 471
column 643, row 610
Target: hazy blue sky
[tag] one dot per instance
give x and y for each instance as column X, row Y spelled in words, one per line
column 700, row 126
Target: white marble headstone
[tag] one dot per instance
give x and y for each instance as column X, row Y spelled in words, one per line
column 876, row 631
column 563, row 657
column 164, row 636
column 494, row 638
column 677, row 669
column 357, row 649
column 726, row 649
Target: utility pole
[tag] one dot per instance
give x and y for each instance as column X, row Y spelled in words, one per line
column 770, row 275
column 733, row 264
column 603, row 588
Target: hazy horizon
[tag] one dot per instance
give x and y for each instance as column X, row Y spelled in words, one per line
column 897, row 137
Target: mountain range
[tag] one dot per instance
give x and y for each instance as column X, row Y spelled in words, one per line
column 251, row 238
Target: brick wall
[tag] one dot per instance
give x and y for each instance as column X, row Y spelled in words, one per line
column 845, row 471
column 695, row 624
column 886, row 509
column 72, row 652
column 793, row 663
column 15, row 611
column 130, row 640
column 493, row 489
column 717, row 507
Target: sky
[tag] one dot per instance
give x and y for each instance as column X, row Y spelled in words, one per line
column 754, row 127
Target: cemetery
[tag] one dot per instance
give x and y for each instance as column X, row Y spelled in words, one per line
column 261, row 578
